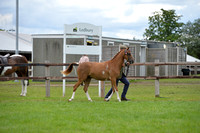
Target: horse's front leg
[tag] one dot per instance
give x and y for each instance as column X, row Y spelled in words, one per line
column 118, row 95
column 114, row 88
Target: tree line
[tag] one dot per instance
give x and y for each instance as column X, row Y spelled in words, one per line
column 164, row 25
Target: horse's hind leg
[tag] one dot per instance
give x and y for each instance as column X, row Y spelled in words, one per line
column 107, row 99
column 25, row 84
column 24, row 87
column 87, row 82
column 74, row 90
column 22, row 93
column 113, row 90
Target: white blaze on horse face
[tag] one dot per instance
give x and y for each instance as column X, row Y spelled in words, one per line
column 5, row 69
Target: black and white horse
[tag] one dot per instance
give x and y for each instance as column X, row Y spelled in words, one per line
column 21, row 71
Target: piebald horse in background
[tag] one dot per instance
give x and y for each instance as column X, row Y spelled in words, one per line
column 109, row 70
column 21, row 71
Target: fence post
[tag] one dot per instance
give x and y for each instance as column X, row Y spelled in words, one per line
column 47, row 81
column 157, row 85
column 177, row 67
column 102, row 88
column 166, row 60
column 195, row 69
column 190, row 73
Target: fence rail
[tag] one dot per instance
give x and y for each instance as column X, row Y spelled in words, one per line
column 47, row 78
column 37, row 64
column 75, row 78
column 135, row 64
column 130, row 77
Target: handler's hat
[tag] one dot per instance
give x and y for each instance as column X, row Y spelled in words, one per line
column 123, row 46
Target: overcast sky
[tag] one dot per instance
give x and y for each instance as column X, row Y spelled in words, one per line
column 118, row 18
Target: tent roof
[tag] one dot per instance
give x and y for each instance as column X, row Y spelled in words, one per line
column 8, row 42
column 192, row 59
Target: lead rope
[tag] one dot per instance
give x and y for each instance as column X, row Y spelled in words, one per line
column 127, row 70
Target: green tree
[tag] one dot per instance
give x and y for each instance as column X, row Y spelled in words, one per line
column 191, row 38
column 163, row 26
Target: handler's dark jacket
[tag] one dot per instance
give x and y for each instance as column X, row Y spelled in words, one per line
column 124, row 70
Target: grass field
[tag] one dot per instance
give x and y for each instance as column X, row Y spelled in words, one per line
column 178, row 109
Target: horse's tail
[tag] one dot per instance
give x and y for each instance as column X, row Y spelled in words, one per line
column 69, row 69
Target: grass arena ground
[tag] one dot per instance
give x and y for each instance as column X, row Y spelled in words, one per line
column 178, row 109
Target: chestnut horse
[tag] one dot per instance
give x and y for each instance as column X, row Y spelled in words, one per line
column 109, row 70
column 21, row 71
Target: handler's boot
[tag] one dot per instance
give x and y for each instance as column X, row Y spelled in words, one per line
column 125, row 99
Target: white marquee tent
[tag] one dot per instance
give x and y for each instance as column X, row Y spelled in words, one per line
column 8, row 42
column 192, row 59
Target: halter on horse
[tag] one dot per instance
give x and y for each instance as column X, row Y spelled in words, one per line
column 109, row 70
column 21, row 71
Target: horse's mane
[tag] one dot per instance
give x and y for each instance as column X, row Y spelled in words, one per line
column 116, row 55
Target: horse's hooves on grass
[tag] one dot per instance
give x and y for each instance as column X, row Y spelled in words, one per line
column 107, row 100
column 69, row 100
column 23, row 95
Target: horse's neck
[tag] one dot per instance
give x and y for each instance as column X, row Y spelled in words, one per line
column 118, row 60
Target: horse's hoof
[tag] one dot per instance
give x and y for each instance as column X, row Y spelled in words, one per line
column 107, row 100
column 90, row 100
column 22, row 94
column 69, row 100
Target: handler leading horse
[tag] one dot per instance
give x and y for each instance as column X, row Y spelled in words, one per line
column 109, row 70
column 21, row 71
